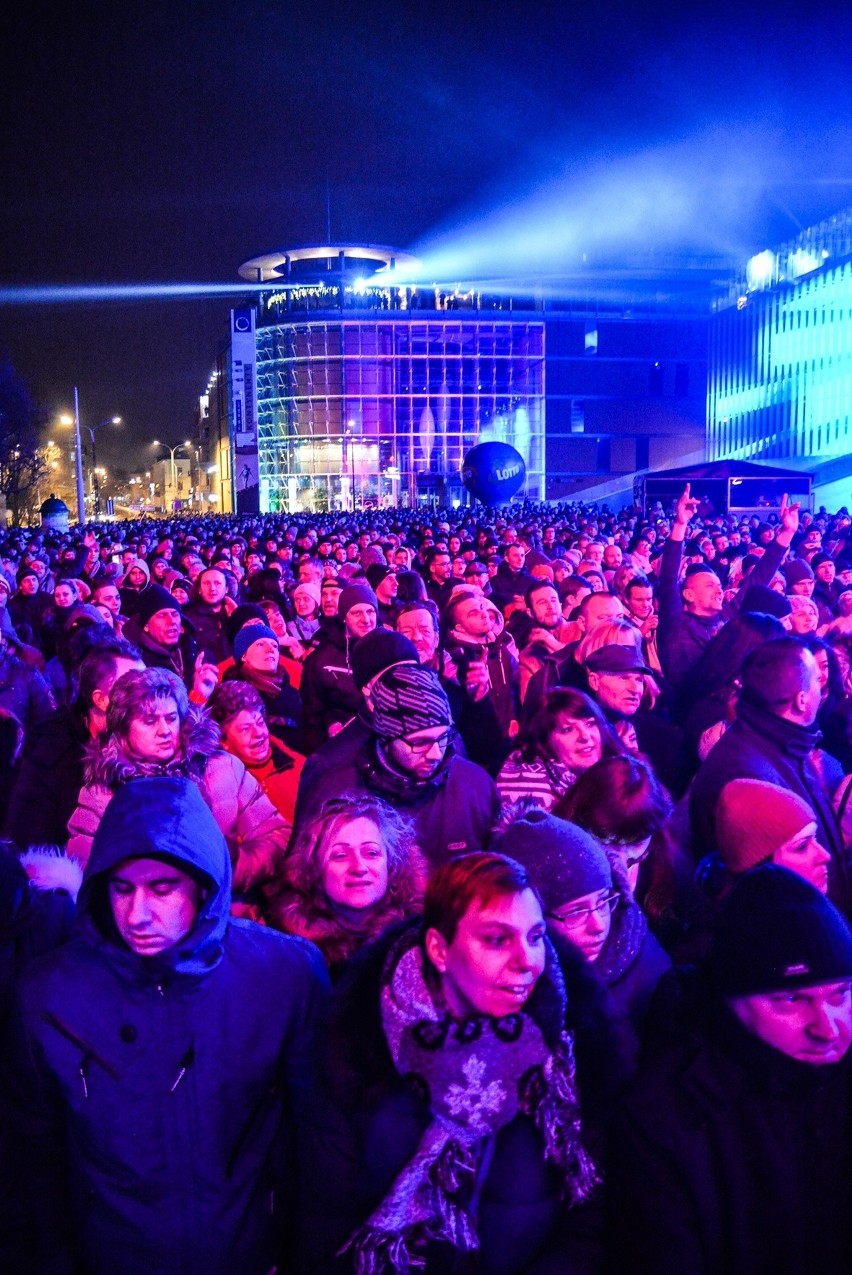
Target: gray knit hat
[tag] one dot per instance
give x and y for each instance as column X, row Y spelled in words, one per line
column 564, row 862
column 408, row 698
column 355, row 595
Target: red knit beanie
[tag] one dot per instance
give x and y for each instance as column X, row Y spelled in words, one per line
column 754, row 819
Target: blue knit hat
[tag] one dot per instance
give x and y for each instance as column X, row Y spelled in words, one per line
column 248, row 635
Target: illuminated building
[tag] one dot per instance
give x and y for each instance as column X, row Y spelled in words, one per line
column 342, row 388
column 780, row 368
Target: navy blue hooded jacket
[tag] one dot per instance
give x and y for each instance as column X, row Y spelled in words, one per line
column 156, row 1095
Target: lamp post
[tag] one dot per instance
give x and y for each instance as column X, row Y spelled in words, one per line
column 78, row 453
column 96, row 487
column 171, row 451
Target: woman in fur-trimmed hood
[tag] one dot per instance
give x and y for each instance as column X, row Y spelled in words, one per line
column 153, row 730
column 353, row 869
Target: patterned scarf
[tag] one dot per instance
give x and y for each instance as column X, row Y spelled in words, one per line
column 479, row 1072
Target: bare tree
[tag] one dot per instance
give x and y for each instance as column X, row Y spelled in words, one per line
column 22, row 468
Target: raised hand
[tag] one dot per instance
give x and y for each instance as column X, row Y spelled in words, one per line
column 687, row 507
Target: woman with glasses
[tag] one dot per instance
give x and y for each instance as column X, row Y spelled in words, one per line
column 588, row 904
column 352, row 870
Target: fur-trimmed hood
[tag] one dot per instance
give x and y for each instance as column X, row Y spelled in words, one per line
column 110, row 765
column 50, row 868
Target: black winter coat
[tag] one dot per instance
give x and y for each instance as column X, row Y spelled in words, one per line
column 523, row 1225
column 49, row 781
column 728, row 1157
column 760, row 745
column 453, row 812
column 329, row 694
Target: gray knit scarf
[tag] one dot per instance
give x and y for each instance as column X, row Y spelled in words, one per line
column 479, row 1072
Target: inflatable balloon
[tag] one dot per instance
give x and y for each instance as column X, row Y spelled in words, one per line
column 493, row 472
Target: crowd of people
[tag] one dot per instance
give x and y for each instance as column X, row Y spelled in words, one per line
column 454, row 890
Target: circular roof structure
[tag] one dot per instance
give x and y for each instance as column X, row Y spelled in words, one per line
column 375, row 258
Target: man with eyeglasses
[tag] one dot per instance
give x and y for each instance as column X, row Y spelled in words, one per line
column 409, row 759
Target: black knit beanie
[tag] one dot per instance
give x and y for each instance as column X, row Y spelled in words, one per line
column 776, row 931
column 377, row 651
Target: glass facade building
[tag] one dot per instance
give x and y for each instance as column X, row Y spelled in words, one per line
column 780, row 354
column 377, row 409
column 369, row 392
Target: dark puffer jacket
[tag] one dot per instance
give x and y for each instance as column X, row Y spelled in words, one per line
column 154, row 1095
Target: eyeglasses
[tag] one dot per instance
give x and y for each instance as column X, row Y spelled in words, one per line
column 421, row 746
column 577, row 917
column 630, row 850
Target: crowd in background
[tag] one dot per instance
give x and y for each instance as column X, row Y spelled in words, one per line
column 477, row 881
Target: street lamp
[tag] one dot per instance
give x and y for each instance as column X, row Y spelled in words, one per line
column 96, row 488
column 171, row 451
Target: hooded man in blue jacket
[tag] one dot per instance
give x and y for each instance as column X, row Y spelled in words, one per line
column 161, row 1065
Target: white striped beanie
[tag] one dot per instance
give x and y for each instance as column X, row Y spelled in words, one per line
column 407, row 698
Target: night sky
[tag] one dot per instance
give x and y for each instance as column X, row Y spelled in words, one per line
column 160, row 143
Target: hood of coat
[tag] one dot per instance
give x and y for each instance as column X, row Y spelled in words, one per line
column 110, row 764
column 160, row 818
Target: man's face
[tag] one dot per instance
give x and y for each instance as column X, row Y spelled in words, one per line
column 165, row 627
column 496, row 957
column 602, row 606
column 329, row 599
column 703, row 594
column 595, row 553
column 419, row 627
column 612, row 556
column 545, row 608
column 28, row 586
column 640, row 601
column 441, row 568
column 136, row 578
column 360, row 619
column 246, row 735
column 813, row 690
column 387, row 589
column 254, row 562
column 421, row 752
column 473, row 617
column 212, row 587
column 154, row 904
column 108, row 595
column 810, row 1024
column 263, row 655
column 619, row 692
column 826, row 572
column 802, row 588
column 516, row 557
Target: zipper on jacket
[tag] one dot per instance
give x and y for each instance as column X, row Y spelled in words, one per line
column 84, row 1074
column 185, row 1063
column 90, row 1054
